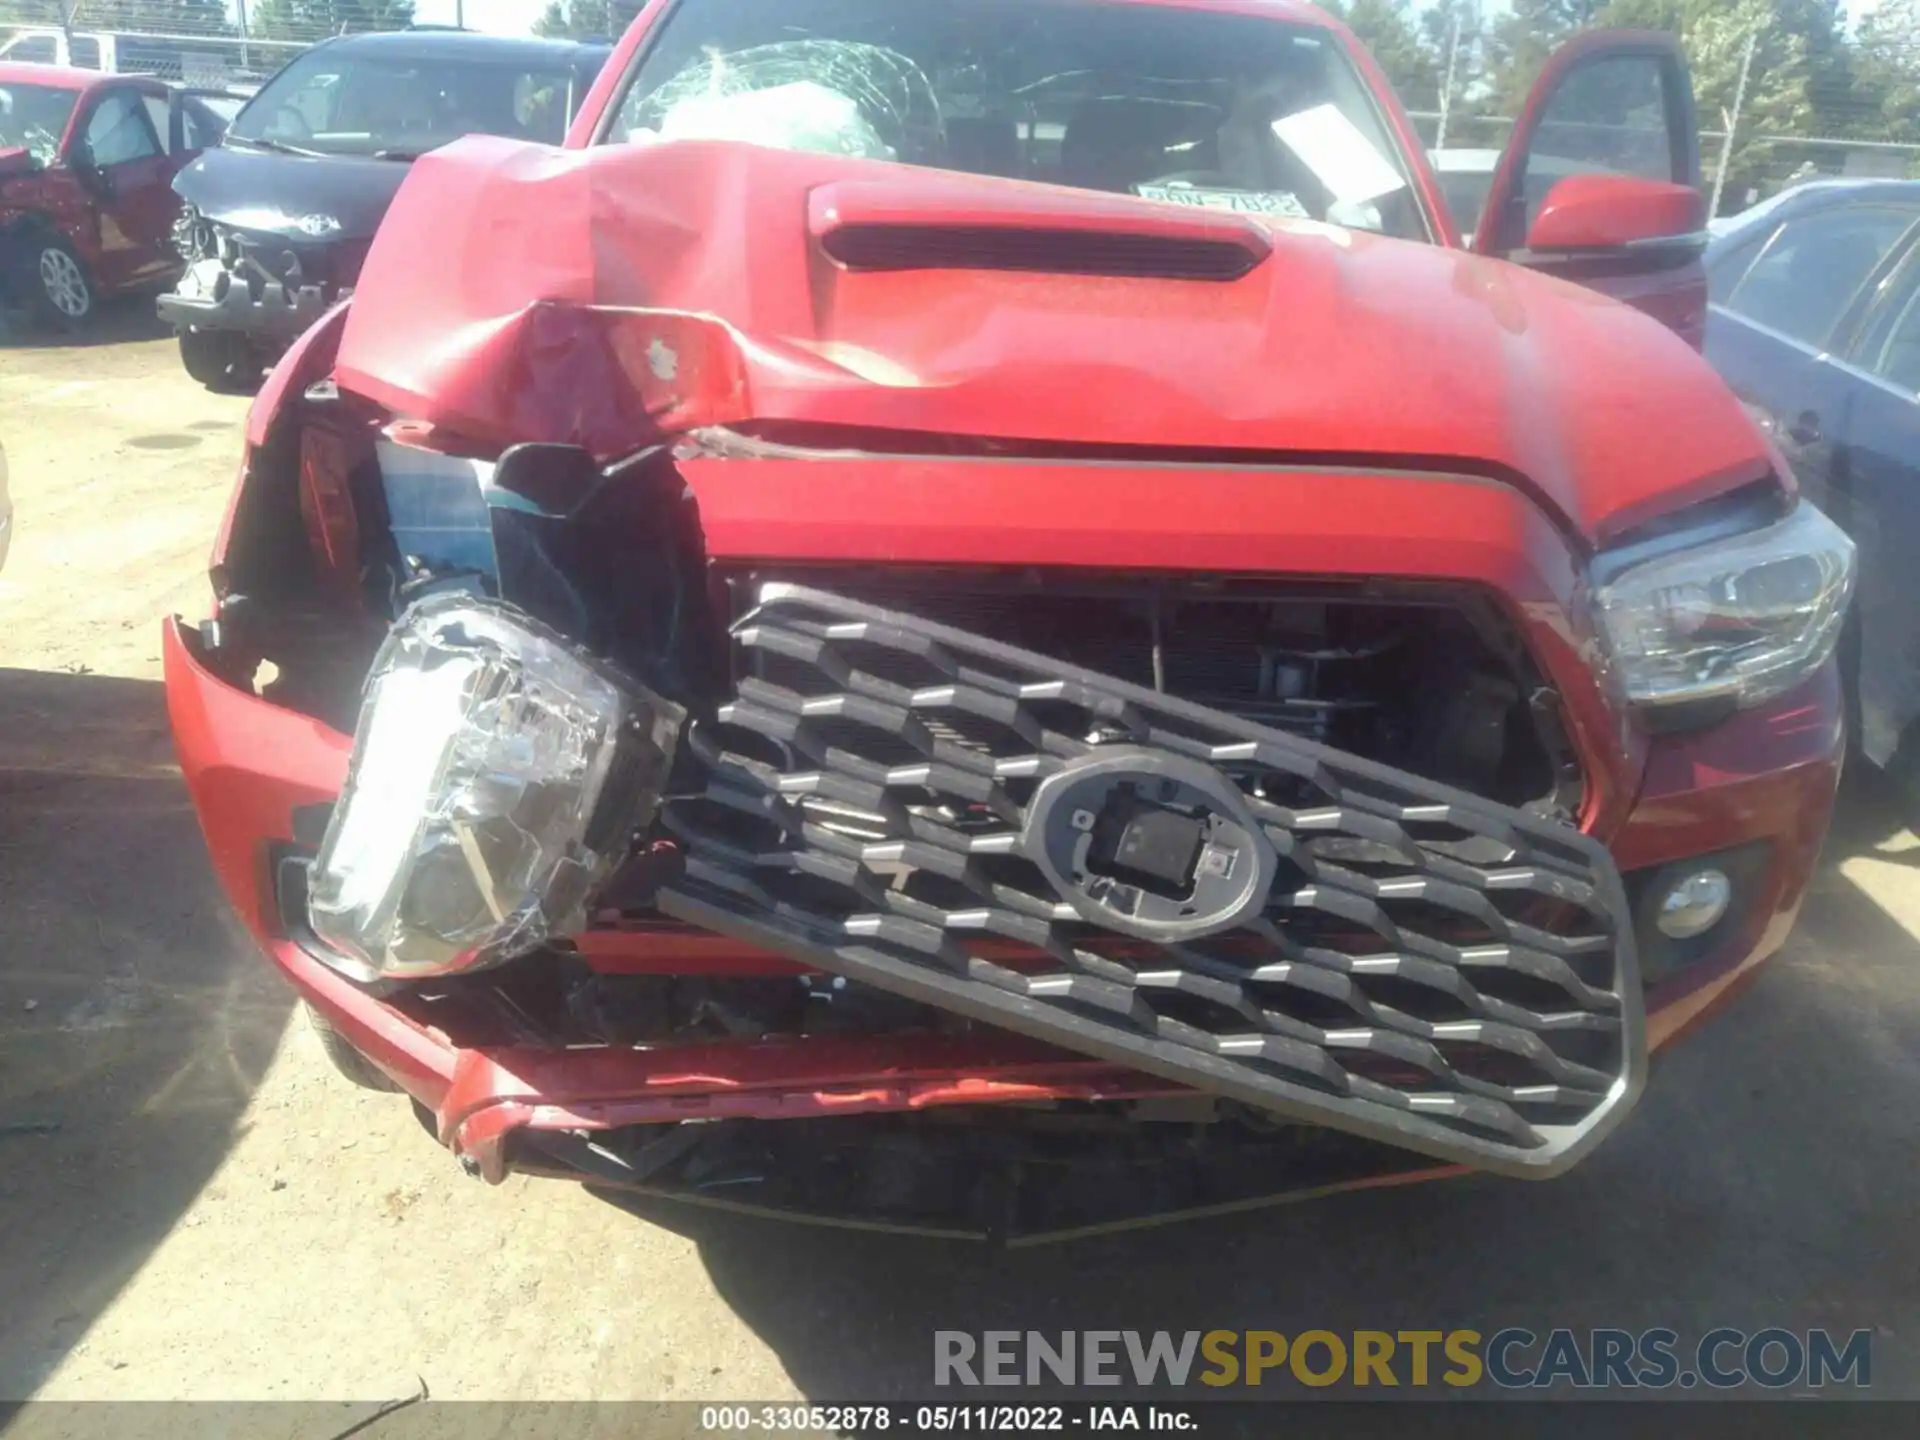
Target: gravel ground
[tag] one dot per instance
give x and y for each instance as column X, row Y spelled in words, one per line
column 193, row 1206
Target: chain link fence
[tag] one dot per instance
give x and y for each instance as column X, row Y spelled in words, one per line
column 197, row 42
column 1780, row 100
column 1769, row 162
column 218, row 62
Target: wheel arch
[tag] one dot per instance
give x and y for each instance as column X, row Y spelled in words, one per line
column 24, row 225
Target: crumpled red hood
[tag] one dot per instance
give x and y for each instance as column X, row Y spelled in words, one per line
column 513, row 294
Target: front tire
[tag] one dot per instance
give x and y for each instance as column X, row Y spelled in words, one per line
column 347, row 1060
column 1904, row 774
column 63, row 297
column 221, row 360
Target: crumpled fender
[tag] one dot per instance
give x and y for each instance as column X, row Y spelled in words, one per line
column 515, row 292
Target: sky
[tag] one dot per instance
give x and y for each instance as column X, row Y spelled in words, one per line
column 498, row 17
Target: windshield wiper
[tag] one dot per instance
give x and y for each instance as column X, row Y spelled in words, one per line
column 276, row 146
column 397, row 154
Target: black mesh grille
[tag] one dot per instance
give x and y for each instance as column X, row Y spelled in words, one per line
column 1057, row 252
column 1415, row 964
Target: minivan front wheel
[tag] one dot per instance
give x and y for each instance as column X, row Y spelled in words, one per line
column 221, row 360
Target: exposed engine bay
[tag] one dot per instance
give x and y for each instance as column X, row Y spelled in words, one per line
column 1426, row 677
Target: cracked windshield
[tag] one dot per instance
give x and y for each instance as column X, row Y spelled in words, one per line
column 1228, row 111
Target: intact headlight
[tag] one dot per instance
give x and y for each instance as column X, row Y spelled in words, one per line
column 1739, row 617
column 498, row 774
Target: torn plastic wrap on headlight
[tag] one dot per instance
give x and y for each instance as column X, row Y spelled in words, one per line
column 498, row 776
column 1738, row 618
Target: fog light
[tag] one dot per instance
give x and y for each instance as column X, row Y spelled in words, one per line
column 1695, row 905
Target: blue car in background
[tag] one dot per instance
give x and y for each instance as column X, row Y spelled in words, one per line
column 1815, row 323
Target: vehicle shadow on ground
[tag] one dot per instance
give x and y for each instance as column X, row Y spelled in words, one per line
column 133, row 1025
column 1765, row 1179
column 119, row 321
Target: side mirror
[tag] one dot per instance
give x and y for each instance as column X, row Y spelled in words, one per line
column 1617, row 212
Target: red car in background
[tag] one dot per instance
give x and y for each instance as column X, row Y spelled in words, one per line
column 985, row 621
column 87, row 207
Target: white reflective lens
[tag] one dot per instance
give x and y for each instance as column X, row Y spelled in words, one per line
column 1748, row 616
column 1694, row 905
column 498, row 773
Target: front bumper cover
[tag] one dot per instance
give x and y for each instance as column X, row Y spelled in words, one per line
column 211, row 297
column 1193, row 895
column 252, row 766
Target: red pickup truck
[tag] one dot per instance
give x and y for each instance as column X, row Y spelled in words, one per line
column 985, row 622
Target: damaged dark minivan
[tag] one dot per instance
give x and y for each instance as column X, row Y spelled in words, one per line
column 976, row 617
column 275, row 223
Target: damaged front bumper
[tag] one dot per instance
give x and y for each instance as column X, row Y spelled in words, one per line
column 212, row 295
column 1765, row 779
column 1163, row 887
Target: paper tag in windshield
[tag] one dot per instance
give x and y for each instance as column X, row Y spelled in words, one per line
column 1253, row 202
column 1343, row 159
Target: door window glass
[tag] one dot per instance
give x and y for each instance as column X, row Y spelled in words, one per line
column 1802, row 283
column 203, row 127
column 34, row 50
column 1727, row 261
column 118, row 130
column 162, row 122
column 86, row 52
column 1893, row 353
column 1609, row 115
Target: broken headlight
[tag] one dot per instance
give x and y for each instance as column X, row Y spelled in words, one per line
column 498, row 775
column 1741, row 617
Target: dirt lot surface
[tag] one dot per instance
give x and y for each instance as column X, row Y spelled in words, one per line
column 193, row 1205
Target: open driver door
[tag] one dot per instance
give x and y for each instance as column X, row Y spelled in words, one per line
column 1600, row 182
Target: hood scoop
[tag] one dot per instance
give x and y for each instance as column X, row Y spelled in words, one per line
column 940, row 223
